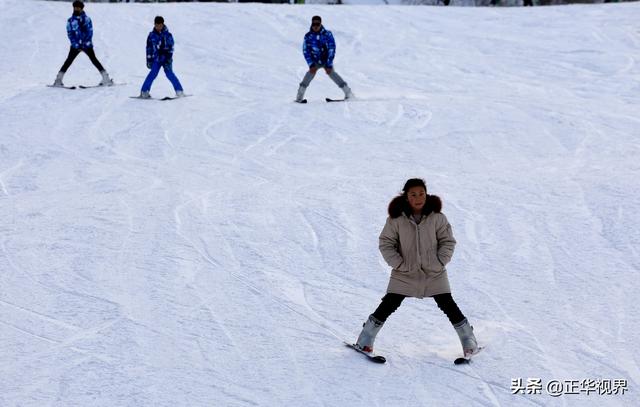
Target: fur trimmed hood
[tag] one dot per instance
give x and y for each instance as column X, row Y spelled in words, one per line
column 399, row 205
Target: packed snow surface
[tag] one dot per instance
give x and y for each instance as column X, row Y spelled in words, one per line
column 216, row 250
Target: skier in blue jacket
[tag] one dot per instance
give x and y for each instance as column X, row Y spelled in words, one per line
column 80, row 33
column 319, row 49
column 160, row 55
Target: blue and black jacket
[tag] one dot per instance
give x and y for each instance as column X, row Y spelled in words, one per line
column 160, row 47
column 319, row 48
column 80, row 31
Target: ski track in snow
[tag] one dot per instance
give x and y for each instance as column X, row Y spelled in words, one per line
column 216, row 250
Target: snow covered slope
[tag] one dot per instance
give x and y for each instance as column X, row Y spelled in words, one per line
column 215, row 250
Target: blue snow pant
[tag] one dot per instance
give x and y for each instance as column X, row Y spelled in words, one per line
column 153, row 73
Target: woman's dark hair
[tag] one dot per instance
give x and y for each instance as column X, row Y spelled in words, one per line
column 78, row 3
column 400, row 203
column 414, row 182
column 158, row 20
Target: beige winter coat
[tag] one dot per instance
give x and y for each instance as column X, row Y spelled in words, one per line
column 418, row 254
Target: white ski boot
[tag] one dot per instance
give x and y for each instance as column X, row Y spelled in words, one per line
column 368, row 335
column 58, row 81
column 467, row 338
column 347, row 92
column 106, row 81
column 300, row 94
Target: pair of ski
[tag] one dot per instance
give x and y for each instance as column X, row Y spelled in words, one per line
column 381, row 359
column 164, row 98
column 329, row 100
column 115, row 84
column 85, row 86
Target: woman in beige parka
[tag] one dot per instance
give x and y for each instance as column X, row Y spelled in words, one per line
column 417, row 242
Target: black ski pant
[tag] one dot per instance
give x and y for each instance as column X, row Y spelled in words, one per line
column 445, row 302
column 73, row 53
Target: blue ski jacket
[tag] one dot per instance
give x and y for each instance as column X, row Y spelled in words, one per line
column 319, row 48
column 160, row 47
column 80, row 31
